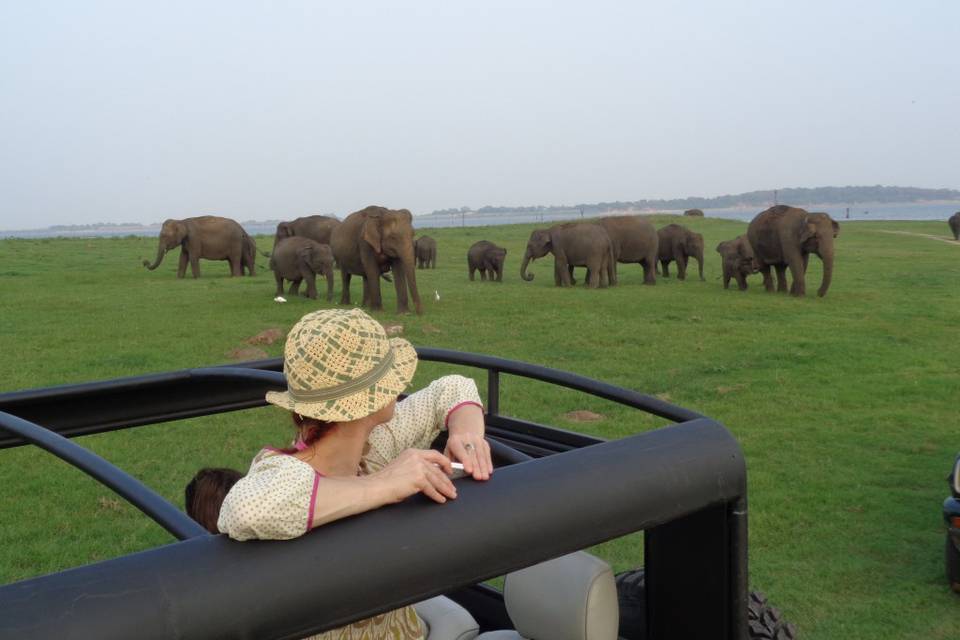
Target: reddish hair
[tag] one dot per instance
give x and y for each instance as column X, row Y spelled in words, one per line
column 204, row 495
column 309, row 430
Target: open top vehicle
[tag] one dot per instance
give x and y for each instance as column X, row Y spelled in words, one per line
column 555, row 492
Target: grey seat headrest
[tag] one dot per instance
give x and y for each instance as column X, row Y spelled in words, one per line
column 572, row 597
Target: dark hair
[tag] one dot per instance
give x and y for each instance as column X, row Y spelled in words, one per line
column 309, row 430
column 205, row 493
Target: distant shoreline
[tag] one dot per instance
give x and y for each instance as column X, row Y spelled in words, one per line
column 904, row 211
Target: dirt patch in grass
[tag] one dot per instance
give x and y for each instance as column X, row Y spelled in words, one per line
column 247, row 353
column 393, row 329
column 267, row 336
column 582, row 415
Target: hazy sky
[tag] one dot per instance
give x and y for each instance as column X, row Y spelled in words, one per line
column 137, row 111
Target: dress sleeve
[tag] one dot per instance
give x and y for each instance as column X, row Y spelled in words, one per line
column 273, row 501
column 419, row 418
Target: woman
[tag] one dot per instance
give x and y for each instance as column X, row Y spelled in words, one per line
column 356, row 447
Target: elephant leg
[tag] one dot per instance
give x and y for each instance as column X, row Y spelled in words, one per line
column 195, row 265
column 279, row 280
column 782, row 278
column 799, row 285
column 483, row 274
column 767, row 278
column 741, row 280
column 294, row 287
column 307, row 274
column 345, row 281
column 372, row 288
column 681, row 267
column 329, row 276
column 806, row 259
column 726, row 278
column 557, row 278
column 665, row 268
column 472, row 270
column 182, row 264
column 572, row 279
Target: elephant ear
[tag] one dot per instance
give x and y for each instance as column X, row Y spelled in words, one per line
column 836, row 228
column 371, row 233
column 808, row 230
column 306, row 254
column 721, row 246
column 283, row 230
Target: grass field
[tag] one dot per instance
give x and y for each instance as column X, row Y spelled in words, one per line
column 846, row 406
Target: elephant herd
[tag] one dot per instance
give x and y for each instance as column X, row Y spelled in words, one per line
column 780, row 238
column 378, row 243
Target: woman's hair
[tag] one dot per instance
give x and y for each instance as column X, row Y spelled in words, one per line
column 204, row 495
column 309, row 430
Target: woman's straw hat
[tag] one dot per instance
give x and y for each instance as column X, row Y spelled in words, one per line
column 341, row 366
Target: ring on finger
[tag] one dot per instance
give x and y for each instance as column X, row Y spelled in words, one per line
column 468, row 448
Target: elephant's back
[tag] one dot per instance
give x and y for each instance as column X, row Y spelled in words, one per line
column 634, row 238
column 479, row 248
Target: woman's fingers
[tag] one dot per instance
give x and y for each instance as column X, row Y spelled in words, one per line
column 474, row 453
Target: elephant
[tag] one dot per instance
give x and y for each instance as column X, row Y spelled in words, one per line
column 738, row 261
column 633, row 239
column 425, row 248
column 370, row 242
column 573, row 244
column 679, row 243
column 207, row 237
column 298, row 258
column 485, row 256
column 316, row 228
column 785, row 236
column 693, row 212
column 954, row 223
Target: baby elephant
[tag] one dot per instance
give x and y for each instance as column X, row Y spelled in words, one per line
column 425, row 249
column 297, row 258
column 486, row 256
column 738, row 261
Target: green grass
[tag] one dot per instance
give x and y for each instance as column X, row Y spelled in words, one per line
column 846, row 407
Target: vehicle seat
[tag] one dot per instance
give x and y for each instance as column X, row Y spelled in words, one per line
column 444, row 619
column 572, row 597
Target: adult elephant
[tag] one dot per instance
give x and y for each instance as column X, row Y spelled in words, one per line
column 784, row 236
column 297, row 259
column 573, row 244
column 317, row 228
column 954, row 223
column 371, row 241
column 634, row 240
column 738, row 261
column 484, row 256
column 677, row 243
column 425, row 249
column 206, row 237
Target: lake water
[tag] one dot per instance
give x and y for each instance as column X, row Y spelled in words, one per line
column 905, row 211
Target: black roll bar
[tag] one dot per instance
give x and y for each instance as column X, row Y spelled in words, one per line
column 690, row 478
column 175, row 521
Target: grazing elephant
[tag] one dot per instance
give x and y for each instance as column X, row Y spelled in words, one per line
column 573, row 244
column 485, row 256
column 207, row 237
column 371, row 241
column 316, row 228
column 425, row 248
column 954, row 223
column 634, row 239
column 784, row 236
column 296, row 259
column 693, row 212
column 679, row 243
column 738, row 261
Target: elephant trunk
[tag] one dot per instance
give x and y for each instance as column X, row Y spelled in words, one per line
column 410, row 275
column 826, row 254
column 523, row 268
column 161, row 250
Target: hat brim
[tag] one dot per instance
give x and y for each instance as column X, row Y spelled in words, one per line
column 363, row 403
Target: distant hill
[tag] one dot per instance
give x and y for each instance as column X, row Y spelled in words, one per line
column 797, row 195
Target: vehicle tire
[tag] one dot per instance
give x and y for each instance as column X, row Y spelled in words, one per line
column 764, row 622
column 953, row 565
column 631, row 594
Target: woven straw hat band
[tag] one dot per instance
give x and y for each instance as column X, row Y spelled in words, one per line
column 346, row 388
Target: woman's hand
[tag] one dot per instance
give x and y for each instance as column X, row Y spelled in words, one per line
column 465, row 441
column 416, row 471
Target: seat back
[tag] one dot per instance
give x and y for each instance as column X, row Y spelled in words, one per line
column 572, row 597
